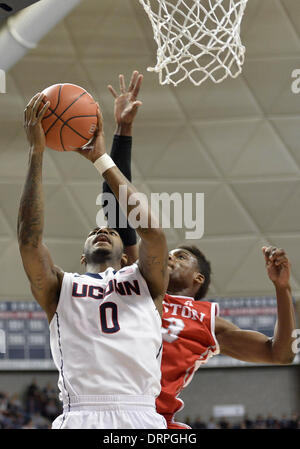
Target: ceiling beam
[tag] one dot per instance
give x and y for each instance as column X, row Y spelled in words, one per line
column 24, row 30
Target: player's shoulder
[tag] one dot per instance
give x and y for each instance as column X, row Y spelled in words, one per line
column 128, row 272
column 74, row 275
column 81, row 277
column 129, row 269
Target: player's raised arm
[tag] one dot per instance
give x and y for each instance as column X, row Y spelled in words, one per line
column 125, row 109
column 45, row 278
column 153, row 252
column 253, row 346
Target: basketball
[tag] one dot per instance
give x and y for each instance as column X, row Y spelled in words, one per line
column 71, row 119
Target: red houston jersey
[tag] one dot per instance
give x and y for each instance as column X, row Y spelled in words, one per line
column 188, row 342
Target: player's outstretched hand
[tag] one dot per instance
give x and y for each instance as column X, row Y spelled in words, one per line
column 126, row 103
column 95, row 148
column 33, row 121
column 277, row 265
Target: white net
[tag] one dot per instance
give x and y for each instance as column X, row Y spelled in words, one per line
column 196, row 39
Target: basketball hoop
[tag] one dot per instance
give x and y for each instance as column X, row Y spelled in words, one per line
column 196, row 39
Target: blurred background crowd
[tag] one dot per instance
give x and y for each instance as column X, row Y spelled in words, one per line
column 259, row 422
column 35, row 409
column 38, row 406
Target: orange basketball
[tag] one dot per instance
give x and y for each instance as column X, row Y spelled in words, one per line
column 71, row 120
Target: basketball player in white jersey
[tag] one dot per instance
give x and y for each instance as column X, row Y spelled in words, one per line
column 105, row 325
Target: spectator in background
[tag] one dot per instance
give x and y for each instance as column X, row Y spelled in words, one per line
column 15, row 405
column 40, row 422
column 259, row 422
column 212, row 424
column 293, row 422
column 224, row 424
column 241, row 425
column 188, row 421
column 3, row 402
column 32, row 398
column 51, row 410
column 7, row 421
column 284, row 422
column 49, row 392
column 277, row 424
column 270, row 422
column 28, row 423
column 198, row 424
column 51, row 407
column 248, row 422
column 32, row 389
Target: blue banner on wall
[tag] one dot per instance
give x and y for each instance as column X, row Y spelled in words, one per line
column 26, row 332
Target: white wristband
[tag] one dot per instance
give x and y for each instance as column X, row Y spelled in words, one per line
column 104, row 163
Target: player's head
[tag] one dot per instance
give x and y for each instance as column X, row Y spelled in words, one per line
column 102, row 245
column 189, row 272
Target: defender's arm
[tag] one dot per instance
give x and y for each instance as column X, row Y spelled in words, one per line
column 253, row 346
column 125, row 110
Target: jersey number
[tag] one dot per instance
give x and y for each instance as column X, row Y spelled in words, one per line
column 171, row 333
column 109, row 310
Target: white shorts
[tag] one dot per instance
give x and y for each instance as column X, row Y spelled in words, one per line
column 110, row 412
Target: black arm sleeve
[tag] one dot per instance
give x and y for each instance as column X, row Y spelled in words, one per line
column 121, row 155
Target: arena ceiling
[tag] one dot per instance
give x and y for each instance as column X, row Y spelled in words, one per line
column 238, row 142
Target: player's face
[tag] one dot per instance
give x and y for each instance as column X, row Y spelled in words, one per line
column 182, row 266
column 103, row 242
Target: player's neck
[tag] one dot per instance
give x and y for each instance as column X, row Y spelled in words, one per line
column 184, row 292
column 100, row 267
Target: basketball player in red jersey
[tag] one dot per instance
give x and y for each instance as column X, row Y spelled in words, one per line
column 192, row 330
column 94, row 318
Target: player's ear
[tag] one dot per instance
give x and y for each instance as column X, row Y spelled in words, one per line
column 199, row 278
column 82, row 260
column 124, row 260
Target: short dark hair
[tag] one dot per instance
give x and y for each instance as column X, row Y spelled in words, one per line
column 204, row 268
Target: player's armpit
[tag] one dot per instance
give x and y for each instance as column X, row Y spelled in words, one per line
column 245, row 345
column 45, row 278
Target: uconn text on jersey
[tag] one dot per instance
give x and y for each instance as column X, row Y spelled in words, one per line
column 124, row 288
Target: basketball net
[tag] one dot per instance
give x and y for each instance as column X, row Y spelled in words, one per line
column 196, row 39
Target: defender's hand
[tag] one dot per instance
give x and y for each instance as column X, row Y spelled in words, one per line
column 278, row 266
column 96, row 147
column 33, row 121
column 126, row 103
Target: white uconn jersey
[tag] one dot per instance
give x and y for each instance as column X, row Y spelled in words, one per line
column 106, row 335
